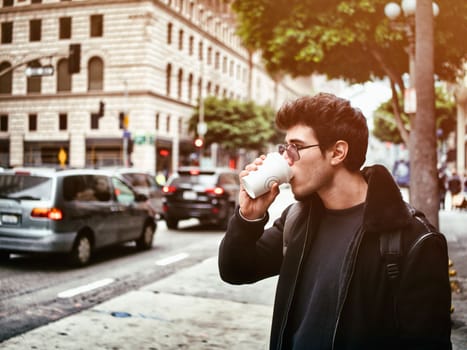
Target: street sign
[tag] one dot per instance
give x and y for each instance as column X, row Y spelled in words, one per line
column 39, row 71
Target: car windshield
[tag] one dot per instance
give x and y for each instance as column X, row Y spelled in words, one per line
column 25, row 187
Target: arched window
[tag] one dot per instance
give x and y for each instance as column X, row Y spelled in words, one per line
column 190, row 87
column 168, row 79
column 200, row 87
column 34, row 83
column 180, row 83
column 6, row 80
column 63, row 77
column 169, row 33
column 95, row 74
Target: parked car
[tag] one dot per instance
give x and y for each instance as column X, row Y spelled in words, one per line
column 209, row 195
column 71, row 211
column 143, row 182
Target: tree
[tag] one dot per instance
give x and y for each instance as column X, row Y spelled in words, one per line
column 386, row 130
column 352, row 40
column 235, row 124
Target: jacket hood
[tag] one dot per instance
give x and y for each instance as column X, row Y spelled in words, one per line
column 385, row 208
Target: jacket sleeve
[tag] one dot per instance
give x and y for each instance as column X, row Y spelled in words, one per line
column 424, row 297
column 248, row 253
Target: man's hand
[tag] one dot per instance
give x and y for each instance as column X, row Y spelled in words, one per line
column 250, row 208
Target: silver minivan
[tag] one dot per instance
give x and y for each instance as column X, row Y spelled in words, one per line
column 74, row 211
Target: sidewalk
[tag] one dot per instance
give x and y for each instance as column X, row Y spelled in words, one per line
column 168, row 314
column 193, row 309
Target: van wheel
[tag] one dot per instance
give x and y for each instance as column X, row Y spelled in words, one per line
column 147, row 236
column 80, row 254
column 171, row 223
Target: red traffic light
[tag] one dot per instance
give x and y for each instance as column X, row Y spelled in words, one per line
column 199, row 142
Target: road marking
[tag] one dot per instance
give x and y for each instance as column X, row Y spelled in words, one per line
column 86, row 288
column 172, row 259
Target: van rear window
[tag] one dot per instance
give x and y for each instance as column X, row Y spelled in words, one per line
column 25, row 187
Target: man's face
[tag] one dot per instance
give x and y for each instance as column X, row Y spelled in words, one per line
column 312, row 172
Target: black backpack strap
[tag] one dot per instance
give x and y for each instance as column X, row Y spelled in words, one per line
column 390, row 249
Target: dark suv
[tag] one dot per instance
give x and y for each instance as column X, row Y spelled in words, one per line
column 207, row 195
column 143, row 182
column 70, row 211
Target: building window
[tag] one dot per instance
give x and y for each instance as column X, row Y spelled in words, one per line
column 36, row 1
column 180, row 39
column 216, row 60
column 180, row 126
column 6, row 80
column 34, row 83
column 200, row 88
column 180, row 83
column 168, row 79
column 95, row 74
column 35, row 28
column 95, row 121
column 224, row 65
column 97, row 26
column 62, row 121
column 65, row 28
column 167, row 124
column 7, row 32
column 208, row 88
column 209, row 55
column 200, row 50
column 190, row 87
column 63, row 77
column 190, row 45
column 169, row 33
column 158, row 120
column 3, row 122
column 32, row 122
column 7, row 3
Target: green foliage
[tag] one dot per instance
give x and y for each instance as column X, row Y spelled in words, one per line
column 234, row 124
column 384, row 125
column 341, row 38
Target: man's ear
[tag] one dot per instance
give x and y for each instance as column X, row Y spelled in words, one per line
column 339, row 152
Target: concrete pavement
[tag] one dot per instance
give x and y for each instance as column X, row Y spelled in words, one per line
column 193, row 309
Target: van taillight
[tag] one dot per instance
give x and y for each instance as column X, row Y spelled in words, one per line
column 216, row 190
column 169, row 189
column 48, row 213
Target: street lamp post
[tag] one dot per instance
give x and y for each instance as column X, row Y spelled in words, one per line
column 392, row 11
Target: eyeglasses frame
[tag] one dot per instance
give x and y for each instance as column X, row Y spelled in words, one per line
column 286, row 147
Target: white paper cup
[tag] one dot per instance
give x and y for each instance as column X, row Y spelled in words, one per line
column 274, row 169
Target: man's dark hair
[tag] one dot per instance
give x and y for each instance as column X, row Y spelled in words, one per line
column 332, row 118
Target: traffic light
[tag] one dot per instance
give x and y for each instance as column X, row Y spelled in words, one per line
column 74, row 58
column 198, row 142
column 123, row 120
column 101, row 108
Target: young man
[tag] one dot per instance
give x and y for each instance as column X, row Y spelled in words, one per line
column 358, row 268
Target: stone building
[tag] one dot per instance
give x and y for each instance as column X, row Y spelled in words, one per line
column 143, row 66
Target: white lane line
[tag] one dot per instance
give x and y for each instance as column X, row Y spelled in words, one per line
column 172, row 259
column 86, row 288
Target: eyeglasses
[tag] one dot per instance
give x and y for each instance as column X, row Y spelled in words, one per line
column 292, row 150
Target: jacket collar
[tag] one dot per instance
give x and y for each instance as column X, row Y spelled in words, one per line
column 385, row 210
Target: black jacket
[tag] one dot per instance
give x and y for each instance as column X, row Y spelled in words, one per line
column 371, row 315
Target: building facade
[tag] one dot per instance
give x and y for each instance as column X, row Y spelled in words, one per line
column 143, row 66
